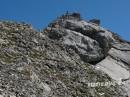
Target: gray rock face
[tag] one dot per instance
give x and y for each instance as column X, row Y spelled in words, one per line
column 62, row 60
column 87, row 48
column 117, row 64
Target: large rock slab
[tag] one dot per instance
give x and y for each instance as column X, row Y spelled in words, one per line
column 87, row 48
column 117, row 64
column 116, row 69
column 117, row 54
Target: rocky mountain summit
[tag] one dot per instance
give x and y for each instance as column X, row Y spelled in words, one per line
column 63, row 59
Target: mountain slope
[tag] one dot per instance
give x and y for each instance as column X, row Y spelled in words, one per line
column 61, row 60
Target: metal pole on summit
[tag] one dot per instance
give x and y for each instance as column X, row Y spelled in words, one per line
column 67, row 14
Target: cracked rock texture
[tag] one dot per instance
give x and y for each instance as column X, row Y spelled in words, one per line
column 62, row 59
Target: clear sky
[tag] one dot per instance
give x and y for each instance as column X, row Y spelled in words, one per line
column 114, row 14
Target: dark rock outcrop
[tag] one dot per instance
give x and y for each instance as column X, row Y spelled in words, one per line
column 95, row 21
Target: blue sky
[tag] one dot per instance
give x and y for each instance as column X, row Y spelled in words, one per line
column 114, row 14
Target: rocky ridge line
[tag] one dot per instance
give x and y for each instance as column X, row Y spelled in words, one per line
column 61, row 60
